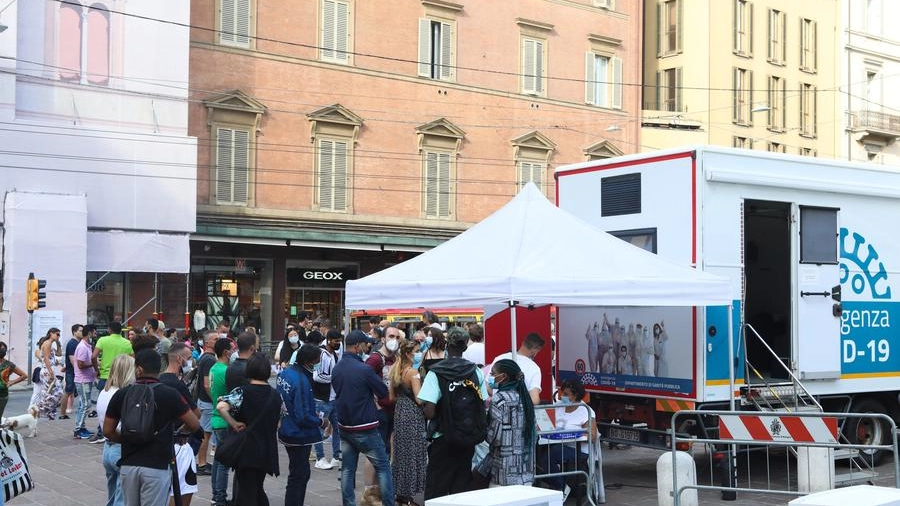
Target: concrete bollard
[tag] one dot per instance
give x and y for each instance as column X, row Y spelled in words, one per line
column 687, row 475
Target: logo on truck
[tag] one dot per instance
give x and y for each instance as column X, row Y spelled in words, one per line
column 866, row 276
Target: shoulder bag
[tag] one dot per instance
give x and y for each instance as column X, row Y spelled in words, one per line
column 228, row 452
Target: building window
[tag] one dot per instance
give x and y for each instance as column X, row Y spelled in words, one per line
column 436, row 49
column 743, row 28
column 669, row 22
column 743, row 96
column 668, row 90
column 603, row 80
column 777, row 103
column 776, row 147
column 332, row 174
column 530, row 172
column 533, row 65
column 807, row 110
column 808, row 45
column 234, row 23
column 777, row 49
column 742, row 142
column 437, row 173
column 83, row 50
column 808, row 152
column 232, row 166
column 335, row 36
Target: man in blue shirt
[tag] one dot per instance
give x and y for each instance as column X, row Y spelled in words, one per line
column 356, row 386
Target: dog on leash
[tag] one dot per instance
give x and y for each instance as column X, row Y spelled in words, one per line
column 25, row 424
column 371, row 496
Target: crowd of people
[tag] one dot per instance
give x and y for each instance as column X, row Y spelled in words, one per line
column 425, row 410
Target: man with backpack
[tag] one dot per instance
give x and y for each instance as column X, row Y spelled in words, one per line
column 148, row 411
column 453, row 395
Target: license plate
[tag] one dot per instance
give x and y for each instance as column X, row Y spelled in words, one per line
column 626, row 434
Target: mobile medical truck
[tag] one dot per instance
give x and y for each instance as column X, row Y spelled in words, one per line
column 812, row 248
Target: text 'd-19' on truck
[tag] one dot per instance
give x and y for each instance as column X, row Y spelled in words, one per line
column 812, row 248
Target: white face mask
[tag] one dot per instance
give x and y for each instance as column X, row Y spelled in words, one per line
column 392, row 345
column 294, row 339
column 186, row 367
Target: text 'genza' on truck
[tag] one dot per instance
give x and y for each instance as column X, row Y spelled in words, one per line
column 812, row 249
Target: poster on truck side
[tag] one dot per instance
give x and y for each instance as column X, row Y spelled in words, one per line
column 639, row 349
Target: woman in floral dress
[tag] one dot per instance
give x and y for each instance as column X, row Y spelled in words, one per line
column 47, row 397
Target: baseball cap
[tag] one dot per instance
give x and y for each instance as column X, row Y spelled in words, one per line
column 356, row 337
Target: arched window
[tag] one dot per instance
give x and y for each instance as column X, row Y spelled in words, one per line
column 98, row 45
column 70, row 42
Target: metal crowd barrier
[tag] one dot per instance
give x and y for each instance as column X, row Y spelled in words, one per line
column 549, row 436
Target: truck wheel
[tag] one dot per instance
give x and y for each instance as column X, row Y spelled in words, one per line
column 865, row 430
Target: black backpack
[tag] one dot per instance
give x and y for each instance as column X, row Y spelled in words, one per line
column 462, row 419
column 138, row 413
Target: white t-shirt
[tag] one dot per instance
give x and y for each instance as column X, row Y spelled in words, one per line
column 531, row 370
column 475, row 353
column 573, row 421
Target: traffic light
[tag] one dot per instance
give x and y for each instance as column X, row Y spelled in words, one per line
column 34, row 297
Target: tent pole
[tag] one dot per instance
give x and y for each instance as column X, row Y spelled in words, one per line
column 512, row 327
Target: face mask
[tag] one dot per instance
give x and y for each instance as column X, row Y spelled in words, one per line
column 294, row 339
column 428, row 341
column 2, row 352
column 186, row 367
column 565, row 400
column 492, row 382
column 392, row 345
column 417, row 357
column 423, row 346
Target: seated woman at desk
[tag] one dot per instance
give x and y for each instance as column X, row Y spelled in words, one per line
column 573, row 417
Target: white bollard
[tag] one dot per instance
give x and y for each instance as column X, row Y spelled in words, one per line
column 687, row 475
column 815, row 469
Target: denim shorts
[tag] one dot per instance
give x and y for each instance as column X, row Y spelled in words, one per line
column 206, row 412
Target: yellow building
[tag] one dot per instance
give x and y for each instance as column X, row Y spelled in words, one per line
column 757, row 74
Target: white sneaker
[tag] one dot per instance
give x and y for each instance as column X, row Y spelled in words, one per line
column 336, row 463
column 324, row 464
column 566, row 492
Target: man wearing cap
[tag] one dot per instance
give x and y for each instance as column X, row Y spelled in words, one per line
column 356, row 386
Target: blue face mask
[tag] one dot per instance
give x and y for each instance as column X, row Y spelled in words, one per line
column 425, row 344
column 417, row 357
column 428, row 341
column 492, row 382
column 565, row 400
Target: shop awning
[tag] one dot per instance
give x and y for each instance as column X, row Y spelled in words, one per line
column 121, row 251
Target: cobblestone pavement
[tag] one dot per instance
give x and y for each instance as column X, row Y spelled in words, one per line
column 69, row 472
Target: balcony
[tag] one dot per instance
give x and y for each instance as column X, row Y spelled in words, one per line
column 875, row 126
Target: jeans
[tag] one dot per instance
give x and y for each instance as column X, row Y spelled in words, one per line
column 219, row 473
column 84, row 391
column 369, row 443
column 298, row 475
column 449, row 469
column 112, row 452
column 327, row 408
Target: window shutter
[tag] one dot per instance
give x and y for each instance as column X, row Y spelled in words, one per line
column 242, row 23
column 227, row 31
column 447, row 63
column 616, row 82
column 224, row 168
column 803, row 62
column 589, row 77
column 770, row 34
column 538, row 67
column 341, row 31
column 749, row 14
column 528, row 66
column 326, row 174
column 660, row 30
column 660, row 89
column 679, row 26
column 341, row 181
column 241, row 166
column 782, row 22
column 815, row 111
column 679, row 86
column 431, row 179
column 736, row 26
column 736, row 91
column 815, row 46
column 783, row 102
column 443, row 185
column 328, row 26
column 748, row 106
column 424, row 47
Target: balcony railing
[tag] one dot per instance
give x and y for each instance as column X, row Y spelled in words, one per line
column 875, row 121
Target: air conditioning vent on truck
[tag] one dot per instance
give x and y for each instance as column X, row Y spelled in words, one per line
column 620, row 195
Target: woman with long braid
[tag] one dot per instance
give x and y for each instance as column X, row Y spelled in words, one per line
column 511, row 430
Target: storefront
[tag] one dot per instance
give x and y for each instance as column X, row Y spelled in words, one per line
column 234, row 290
column 317, row 288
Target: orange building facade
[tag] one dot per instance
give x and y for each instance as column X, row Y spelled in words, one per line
column 339, row 137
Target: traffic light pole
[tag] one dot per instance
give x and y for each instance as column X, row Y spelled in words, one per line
column 30, row 345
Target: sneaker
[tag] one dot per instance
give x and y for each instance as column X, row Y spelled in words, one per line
column 324, row 464
column 336, row 462
column 566, row 492
column 83, row 434
column 63, row 417
column 204, row 470
column 96, row 438
column 92, row 414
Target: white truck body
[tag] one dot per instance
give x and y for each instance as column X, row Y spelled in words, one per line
column 812, row 248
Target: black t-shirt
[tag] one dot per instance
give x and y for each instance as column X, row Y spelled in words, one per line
column 207, row 360
column 173, row 381
column 236, row 374
column 70, row 350
column 169, row 407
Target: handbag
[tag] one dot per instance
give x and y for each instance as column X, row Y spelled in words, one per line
column 228, row 452
column 14, row 474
